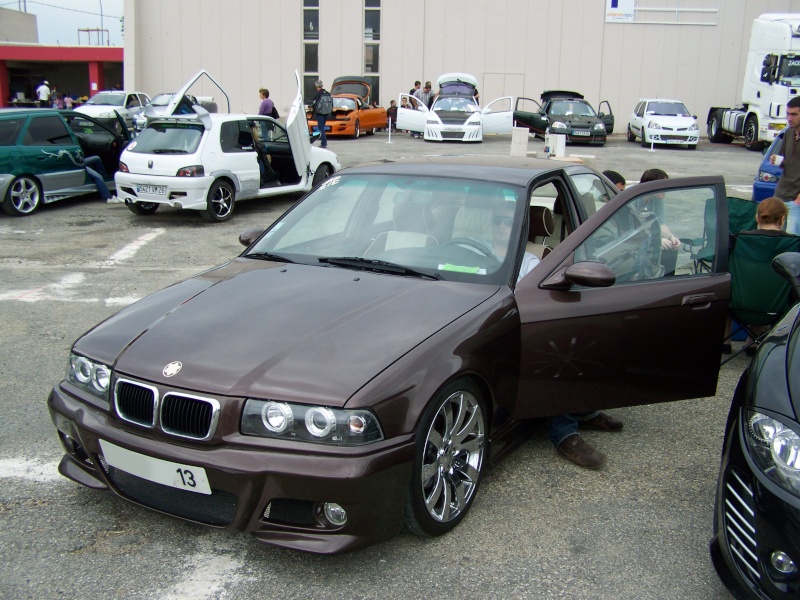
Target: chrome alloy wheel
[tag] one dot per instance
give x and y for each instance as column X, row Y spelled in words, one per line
column 453, row 456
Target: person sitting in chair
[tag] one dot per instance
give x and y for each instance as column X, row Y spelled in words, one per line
column 268, row 175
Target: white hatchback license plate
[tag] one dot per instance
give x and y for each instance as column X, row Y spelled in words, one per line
column 183, row 477
column 580, row 133
column 151, row 189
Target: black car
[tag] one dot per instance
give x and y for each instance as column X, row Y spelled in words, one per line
column 564, row 112
column 756, row 543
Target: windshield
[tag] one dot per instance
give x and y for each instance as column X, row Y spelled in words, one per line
column 168, row 138
column 790, row 67
column 107, row 99
column 571, row 108
column 456, row 104
column 443, row 228
column 161, row 100
column 668, row 109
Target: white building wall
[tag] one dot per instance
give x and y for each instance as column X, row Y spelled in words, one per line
column 513, row 47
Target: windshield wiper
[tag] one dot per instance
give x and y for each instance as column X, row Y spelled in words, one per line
column 169, row 151
column 269, row 256
column 379, row 266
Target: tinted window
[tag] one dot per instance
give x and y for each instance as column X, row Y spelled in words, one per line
column 9, row 131
column 107, row 99
column 47, row 131
column 235, row 136
column 168, row 138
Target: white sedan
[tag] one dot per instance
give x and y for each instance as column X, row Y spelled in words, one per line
column 661, row 121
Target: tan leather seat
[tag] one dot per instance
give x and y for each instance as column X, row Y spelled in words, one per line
column 540, row 231
column 413, row 221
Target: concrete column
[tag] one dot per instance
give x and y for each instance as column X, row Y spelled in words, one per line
column 96, row 80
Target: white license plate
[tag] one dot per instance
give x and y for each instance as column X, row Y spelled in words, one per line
column 151, row 189
column 183, row 477
column 452, row 129
column 586, row 133
column 676, row 141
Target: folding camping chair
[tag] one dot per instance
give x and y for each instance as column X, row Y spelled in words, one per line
column 759, row 296
column 741, row 217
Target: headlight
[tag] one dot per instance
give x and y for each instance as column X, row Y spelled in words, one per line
column 654, row 125
column 775, row 449
column 300, row 422
column 89, row 376
column 693, row 127
column 476, row 123
column 107, row 115
column 600, row 126
column 767, row 177
column 433, row 122
column 558, row 125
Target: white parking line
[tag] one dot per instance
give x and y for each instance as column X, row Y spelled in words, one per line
column 128, row 251
column 37, row 470
column 209, row 571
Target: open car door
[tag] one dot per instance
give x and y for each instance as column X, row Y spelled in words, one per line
column 606, row 117
column 411, row 119
column 529, row 113
column 297, row 130
column 498, row 115
column 609, row 318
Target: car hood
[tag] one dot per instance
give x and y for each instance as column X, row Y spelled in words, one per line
column 271, row 330
column 96, row 110
column 671, row 121
column 572, row 120
column 358, row 88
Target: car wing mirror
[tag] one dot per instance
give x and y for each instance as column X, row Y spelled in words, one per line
column 248, row 236
column 584, row 274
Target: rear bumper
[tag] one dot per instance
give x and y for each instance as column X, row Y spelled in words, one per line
column 179, row 192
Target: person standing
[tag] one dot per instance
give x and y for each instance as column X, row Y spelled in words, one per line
column 43, row 94
column 413, row 90
column 788, row 188
column 322, row 106
column 424, row 96
column 266, row 106
column 391, row 114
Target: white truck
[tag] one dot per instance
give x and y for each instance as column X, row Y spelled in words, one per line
column 771, row 78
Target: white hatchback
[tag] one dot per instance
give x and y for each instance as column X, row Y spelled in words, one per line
column 207, row 161
column 662, row 121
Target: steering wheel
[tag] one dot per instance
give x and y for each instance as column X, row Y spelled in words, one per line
column 472, row 245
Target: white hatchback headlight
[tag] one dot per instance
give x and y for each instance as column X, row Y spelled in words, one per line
column 693, row 127
column 653, row 125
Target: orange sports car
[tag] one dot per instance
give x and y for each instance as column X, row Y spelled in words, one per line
column 352, row 114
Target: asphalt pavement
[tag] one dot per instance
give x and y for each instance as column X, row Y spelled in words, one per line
column 540, row 526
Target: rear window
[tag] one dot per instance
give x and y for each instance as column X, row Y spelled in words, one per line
column 168, row 138
column 9, row 131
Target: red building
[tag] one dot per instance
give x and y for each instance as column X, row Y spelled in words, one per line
column 75, row 70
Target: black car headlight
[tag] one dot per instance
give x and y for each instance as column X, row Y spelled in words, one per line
column 775, row 449
column 301, row 422
column 88, row 375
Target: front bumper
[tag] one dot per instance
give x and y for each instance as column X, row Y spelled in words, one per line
column 670, row 137
column 578, row 138
column 453, row 133
column 753, row 522
column 179, row 192
column 275, row 493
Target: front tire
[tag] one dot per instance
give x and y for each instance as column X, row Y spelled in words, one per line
column 631, row 135
column 751, row 134
column 219, row 201
column 23, row 197
column 357, row 132
column 143, row 208
column 448, row 461
column 645, row 143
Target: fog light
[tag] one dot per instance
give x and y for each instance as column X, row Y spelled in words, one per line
column 337, row 515
column 780, row 560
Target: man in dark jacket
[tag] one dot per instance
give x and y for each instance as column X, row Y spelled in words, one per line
column 320, row 118
column 788, row 159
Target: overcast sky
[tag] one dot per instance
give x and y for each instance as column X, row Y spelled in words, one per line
column 60, row 20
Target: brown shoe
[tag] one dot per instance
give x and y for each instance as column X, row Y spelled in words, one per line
column 582, row 454
column 601, row 422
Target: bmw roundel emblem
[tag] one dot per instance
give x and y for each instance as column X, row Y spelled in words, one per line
column 172, row 369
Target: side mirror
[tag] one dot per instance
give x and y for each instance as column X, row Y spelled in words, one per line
column 585, row 274
column 601, row 115
column 247, row 237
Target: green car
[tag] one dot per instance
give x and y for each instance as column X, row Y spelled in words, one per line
column 43, row 152
column 567, row 113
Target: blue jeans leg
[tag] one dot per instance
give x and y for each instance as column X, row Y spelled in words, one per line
column 563, row 426
column 323, row 139
column 793, row 222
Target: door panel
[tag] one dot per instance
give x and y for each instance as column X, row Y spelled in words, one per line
column 498, row 115
column 655, row 335
column 411, row 119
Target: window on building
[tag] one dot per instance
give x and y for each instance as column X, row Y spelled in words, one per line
column 310, row 47
column 372, row 47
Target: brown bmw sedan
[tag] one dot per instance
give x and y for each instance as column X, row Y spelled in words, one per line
column 371, row 353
